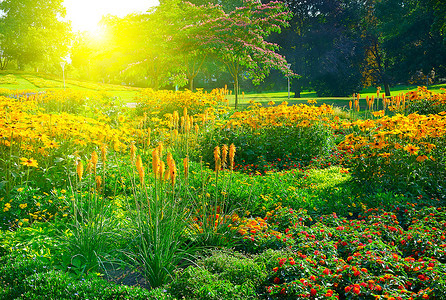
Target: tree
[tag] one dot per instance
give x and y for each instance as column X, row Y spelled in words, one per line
column 323, row 45
column 32, row 31
column 238, row 39
column 181, row 28
column 402, row 41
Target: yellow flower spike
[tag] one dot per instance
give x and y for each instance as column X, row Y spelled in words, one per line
column 94, row 160
column 103, row 152
column 169, row 159
column 132, row 152
column 216, row 153
column 160, row 150
column 140, row 168
column 176, row 118
column 224, row 154
column 218, row 164
column 149, row 132
column 80, row 169
column 231, row 156
column 162, row 169
column 172, row 172
column 98, row 183
column 155, row 162
column 186, row 166
column 166, row 175
column 182, row 123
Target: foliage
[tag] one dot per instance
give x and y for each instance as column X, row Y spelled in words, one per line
column 33, row 32
column 273, row 138
column 238, row 39
column 425, row 102
column 381, row 154
column 335, row 223
column 30, row 278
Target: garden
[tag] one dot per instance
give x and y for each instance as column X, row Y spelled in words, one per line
column 183, row 197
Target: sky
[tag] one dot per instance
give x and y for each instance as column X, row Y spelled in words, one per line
column 85, row 14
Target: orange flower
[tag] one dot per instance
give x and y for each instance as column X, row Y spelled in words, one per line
column 94, row 160
column 140, row 168
column 155, row 162
column 231, row 156
column 186, row 166
column 412, row 149
column 80, row 169
column 422, row 158
column 224, row 154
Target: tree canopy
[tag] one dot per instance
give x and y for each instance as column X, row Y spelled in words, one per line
column 32, row 31
column 336, row 46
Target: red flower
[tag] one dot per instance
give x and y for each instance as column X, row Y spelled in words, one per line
column 329, row 293
column 347, row 289
column 313, row 292
column 276, row 280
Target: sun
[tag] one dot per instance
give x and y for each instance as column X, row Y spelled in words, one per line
column 86, row 14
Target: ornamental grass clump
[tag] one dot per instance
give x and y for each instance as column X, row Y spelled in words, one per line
column 92, row 230
column 160, row 221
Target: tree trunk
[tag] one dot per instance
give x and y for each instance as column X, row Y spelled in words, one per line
column 297, row 89
column 387, row 88
column 191, row 83
column 236, row 90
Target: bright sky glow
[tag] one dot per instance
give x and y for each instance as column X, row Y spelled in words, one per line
column 85, row 14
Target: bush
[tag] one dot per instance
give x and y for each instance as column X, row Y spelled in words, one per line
column 223, row 275
column 27, row 278
column 271, row 147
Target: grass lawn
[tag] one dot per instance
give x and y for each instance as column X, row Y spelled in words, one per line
column 244, row 99
column 279, row 97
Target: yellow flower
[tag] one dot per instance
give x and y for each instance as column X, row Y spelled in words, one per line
column 22, row 206
column 7, row 207
column 19, row 190
column 29, row 162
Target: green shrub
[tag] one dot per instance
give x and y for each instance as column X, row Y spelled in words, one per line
column 60, row 285
column 272, row 148
column 199, row 283
column 14, row 269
